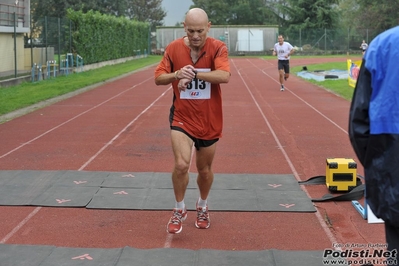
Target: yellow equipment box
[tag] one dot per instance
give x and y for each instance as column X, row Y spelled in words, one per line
column 341, row 174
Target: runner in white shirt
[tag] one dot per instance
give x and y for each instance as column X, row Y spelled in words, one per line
column 364, row 46
column 283, row 50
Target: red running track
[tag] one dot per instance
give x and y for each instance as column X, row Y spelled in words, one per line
column 123, row 126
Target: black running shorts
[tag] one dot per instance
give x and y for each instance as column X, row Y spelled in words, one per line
column 284, row 64
column 197, row 142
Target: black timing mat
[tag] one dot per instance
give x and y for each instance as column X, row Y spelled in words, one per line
column 150, row 191
column 26, row 255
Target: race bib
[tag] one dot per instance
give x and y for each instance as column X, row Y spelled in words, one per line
column 197, row 89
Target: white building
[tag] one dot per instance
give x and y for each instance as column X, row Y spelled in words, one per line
column 14, row 21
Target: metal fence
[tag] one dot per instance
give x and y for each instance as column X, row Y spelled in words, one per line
column 48, row 39
column 242, row 40
column 329, row 41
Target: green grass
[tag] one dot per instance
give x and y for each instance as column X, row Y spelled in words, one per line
column 28, row 93
column 338, row 86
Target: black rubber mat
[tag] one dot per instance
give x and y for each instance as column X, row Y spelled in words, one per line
column 150, row 191
column 24, row 255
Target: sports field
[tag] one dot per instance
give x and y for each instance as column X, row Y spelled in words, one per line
column 59, row 162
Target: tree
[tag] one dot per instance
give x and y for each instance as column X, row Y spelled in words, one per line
column 112, row 7
column 276, row 11
column 45, row 15
column 365, row 19
column 348, row 10
column 380, row 15
column 150, row 11
column 217, row 10
column 312, row 14
column 141, row 10
column 307, row 21
column 58, row 9
column 236, row 12
column 248, row 13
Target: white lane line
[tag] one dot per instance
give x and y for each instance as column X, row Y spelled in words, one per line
column 123, row 130
column 305, row 102
column 168, row 241
column 73, row 118
column 329, row 234
column 36, row 210
column 19, row 226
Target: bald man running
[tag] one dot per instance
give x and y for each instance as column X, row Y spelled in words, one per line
column 196, row 65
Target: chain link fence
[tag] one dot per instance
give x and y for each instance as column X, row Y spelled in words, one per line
column 260, row 40
column 48, row 43
column 327, row 41
column 27, row 48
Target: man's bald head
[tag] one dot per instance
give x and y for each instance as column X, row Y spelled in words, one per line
column 196, row 26
column 196, row 14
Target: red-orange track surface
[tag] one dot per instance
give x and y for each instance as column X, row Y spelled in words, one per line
column 123, row 126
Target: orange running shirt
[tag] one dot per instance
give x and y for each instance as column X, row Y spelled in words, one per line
column 201, row 118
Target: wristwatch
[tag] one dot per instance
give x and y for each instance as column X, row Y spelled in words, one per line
column 195, row 74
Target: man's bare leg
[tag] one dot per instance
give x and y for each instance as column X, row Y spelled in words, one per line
column 281, row 76
column 204, row 180
column 182, row 148
column 204, row 159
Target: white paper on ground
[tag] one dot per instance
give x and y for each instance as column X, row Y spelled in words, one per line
column 371, row 218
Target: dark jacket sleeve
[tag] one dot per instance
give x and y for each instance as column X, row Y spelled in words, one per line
column 359, row 122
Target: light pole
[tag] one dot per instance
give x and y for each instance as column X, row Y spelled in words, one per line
column 15, row 38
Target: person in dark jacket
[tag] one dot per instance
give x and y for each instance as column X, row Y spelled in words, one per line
column 374, row 130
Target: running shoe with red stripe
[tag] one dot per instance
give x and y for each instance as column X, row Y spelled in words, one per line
column 203, row 221
column 175, row 222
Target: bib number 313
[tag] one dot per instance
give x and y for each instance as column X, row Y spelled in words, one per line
column 197, row 89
